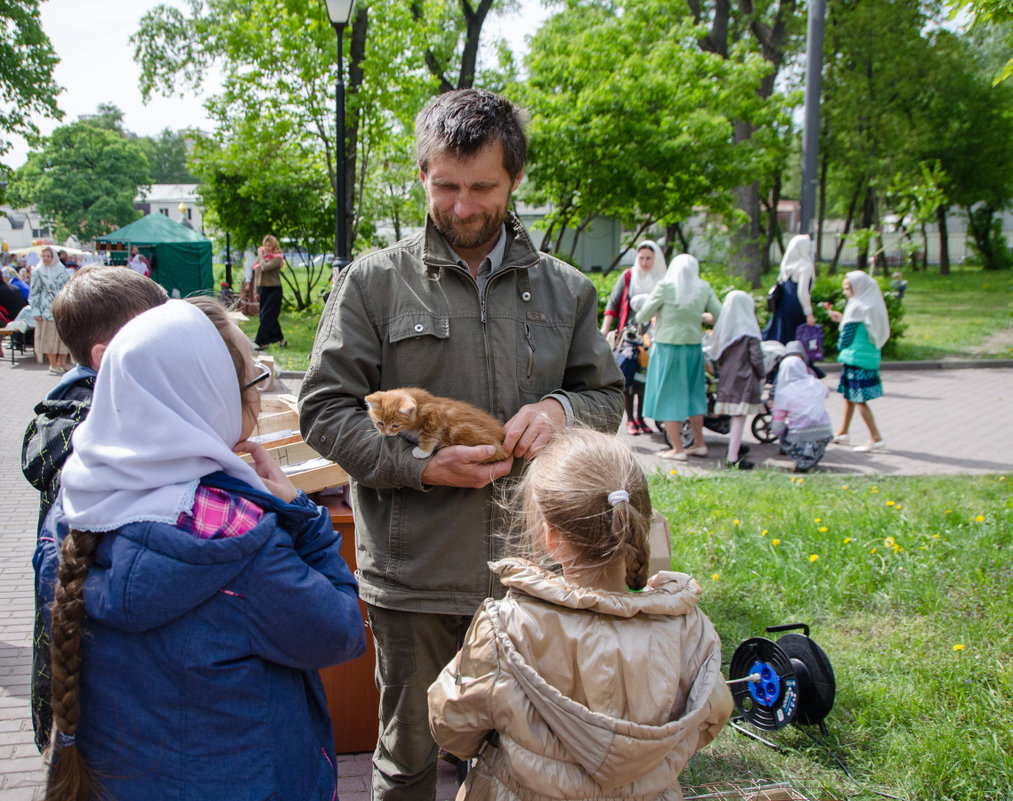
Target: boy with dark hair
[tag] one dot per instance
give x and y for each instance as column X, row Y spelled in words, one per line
column 88, row 311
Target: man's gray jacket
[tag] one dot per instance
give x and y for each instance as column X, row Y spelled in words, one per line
column 410, row 315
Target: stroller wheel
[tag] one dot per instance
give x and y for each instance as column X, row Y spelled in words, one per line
column 761, row 427
column 686, row 435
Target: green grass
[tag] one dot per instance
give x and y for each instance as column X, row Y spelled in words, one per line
column 891, row 574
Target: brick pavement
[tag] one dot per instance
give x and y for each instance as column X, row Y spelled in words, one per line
column 934, row 421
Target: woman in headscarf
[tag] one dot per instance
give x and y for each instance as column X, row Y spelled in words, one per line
column 676, row 389
column 865, row 328
column 735, row 346
column 799, row 416
column 628, row 295
column 48, row 279
column 795, row 281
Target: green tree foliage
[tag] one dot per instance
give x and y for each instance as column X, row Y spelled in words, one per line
column 27, row 60
column 629, row 119
column 992, row 13
column 168, row 153
column 278, row 64
column 84, row 179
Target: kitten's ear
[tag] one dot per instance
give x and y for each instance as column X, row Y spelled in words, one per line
column 407, row 406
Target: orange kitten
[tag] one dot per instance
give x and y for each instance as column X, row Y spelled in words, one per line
column 436, row 422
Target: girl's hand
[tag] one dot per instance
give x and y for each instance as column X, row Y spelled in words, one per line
column 274, row 478
column 835, row 315
column 810, row 320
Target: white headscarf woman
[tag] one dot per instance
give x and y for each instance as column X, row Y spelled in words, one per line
column 797, row 265
column 737, row 320
column 802, row 396
column 866, row 305
column 684, row 275
column 165, row 413
column 642, row 282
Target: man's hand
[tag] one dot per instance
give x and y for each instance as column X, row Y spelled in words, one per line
column 461, row 466
column 529, row 431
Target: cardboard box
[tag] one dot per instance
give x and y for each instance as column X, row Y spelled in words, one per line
column 660, row 539
column 307, row 470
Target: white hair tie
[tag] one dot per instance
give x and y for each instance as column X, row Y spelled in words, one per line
column 617, row 496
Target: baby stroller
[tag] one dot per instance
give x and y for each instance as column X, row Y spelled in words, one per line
column 721, row 423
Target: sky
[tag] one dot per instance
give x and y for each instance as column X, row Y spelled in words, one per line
column 97, row 64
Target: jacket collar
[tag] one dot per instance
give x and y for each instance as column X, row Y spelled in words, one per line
column 520, row 251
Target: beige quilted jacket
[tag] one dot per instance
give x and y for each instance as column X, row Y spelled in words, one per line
column 565, row 692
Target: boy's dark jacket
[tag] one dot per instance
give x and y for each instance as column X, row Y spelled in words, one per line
column 45, row 449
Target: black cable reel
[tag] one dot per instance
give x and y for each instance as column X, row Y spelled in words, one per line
column 777, row 683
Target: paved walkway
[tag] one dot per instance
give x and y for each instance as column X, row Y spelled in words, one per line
column 934, row 421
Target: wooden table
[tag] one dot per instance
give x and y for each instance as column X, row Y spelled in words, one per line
column 352, row 697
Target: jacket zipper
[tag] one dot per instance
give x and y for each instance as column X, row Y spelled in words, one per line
column 531, row 349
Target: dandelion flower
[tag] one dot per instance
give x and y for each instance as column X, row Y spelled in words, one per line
column 716, row 576
column 958, row 647
column 801, row 481
column 823, row 529
column 980, row 518
column 819, row 519
column 896, row 548
column 874, row 550
column 673, row 472
column 813, row 557
column 763, row 533
column 890, row 503
column 847, row 540
column 844, row 487
column 735, row 522
column 875, row 490
column 947, row 511
column 775, row 542
column 889, row 542
column 935, row 536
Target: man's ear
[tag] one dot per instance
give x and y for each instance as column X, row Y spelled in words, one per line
column 517, row 180
column 96, row 354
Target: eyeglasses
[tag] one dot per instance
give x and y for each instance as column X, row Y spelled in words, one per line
column 264, row 374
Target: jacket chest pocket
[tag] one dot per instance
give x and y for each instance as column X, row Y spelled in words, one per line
column 542, row 348
column 417, row 348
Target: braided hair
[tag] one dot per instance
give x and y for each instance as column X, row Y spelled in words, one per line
column 590, row 488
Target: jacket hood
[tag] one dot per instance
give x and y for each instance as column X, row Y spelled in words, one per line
column 147, row 574
column 612, row 750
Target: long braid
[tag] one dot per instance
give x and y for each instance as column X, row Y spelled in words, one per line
column 70, row 778
column 632, row 535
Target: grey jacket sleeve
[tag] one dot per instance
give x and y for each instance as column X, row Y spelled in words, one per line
column 344, row 368
column 592, row 381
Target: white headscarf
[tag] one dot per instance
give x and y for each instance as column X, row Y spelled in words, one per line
column 684, row 275
column 165, row 413
column 642, row 283
column 801, row 394
column 53, row 269
column 797, row 260
column 866, row 305
column 737, row 320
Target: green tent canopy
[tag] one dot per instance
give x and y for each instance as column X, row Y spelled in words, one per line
column 180, row 257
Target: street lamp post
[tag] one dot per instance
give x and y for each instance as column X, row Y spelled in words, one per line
column 340, row 12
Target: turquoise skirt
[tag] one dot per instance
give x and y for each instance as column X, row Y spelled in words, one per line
column 676, row 389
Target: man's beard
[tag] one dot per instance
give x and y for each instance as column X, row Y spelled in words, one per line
column 466, row 240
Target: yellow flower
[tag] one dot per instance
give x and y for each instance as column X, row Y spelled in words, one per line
column 958, row 647
column 763, row 533
column 935, row 536
column 716, row 576
column 889, row 503
column 801, row 481
column 947, row 511
column 889, row 542
column 844, row 487
column 823, row 529
column 735, row 522
column 1002, row 478
column 896, row 548
column 923, row 547
column 979, row 518
column 873, row 550
column 819, row 519
column 775, row 542
column 813, row 557
column 847, row 540
column 673, row 472
column 875, row 490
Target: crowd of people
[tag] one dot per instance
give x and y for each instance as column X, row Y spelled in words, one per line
column 186, row 597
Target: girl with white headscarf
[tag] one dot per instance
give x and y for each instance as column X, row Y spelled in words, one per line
column 735, row 346
column 194, row 596
column 865, row 328
column 795, row 281
column 799, row 416
column 628, row 295
column 48, row 279
column 676, row 389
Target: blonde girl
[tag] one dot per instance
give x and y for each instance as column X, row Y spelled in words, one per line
column 589, row 678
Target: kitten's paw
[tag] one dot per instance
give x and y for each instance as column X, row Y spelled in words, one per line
column 418, row 453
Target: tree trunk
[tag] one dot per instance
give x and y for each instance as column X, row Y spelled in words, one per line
column 944, row 241
column 474, row 19
column 847, row 228
column 773, row 226
column 675, row 232
column 576, row 235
